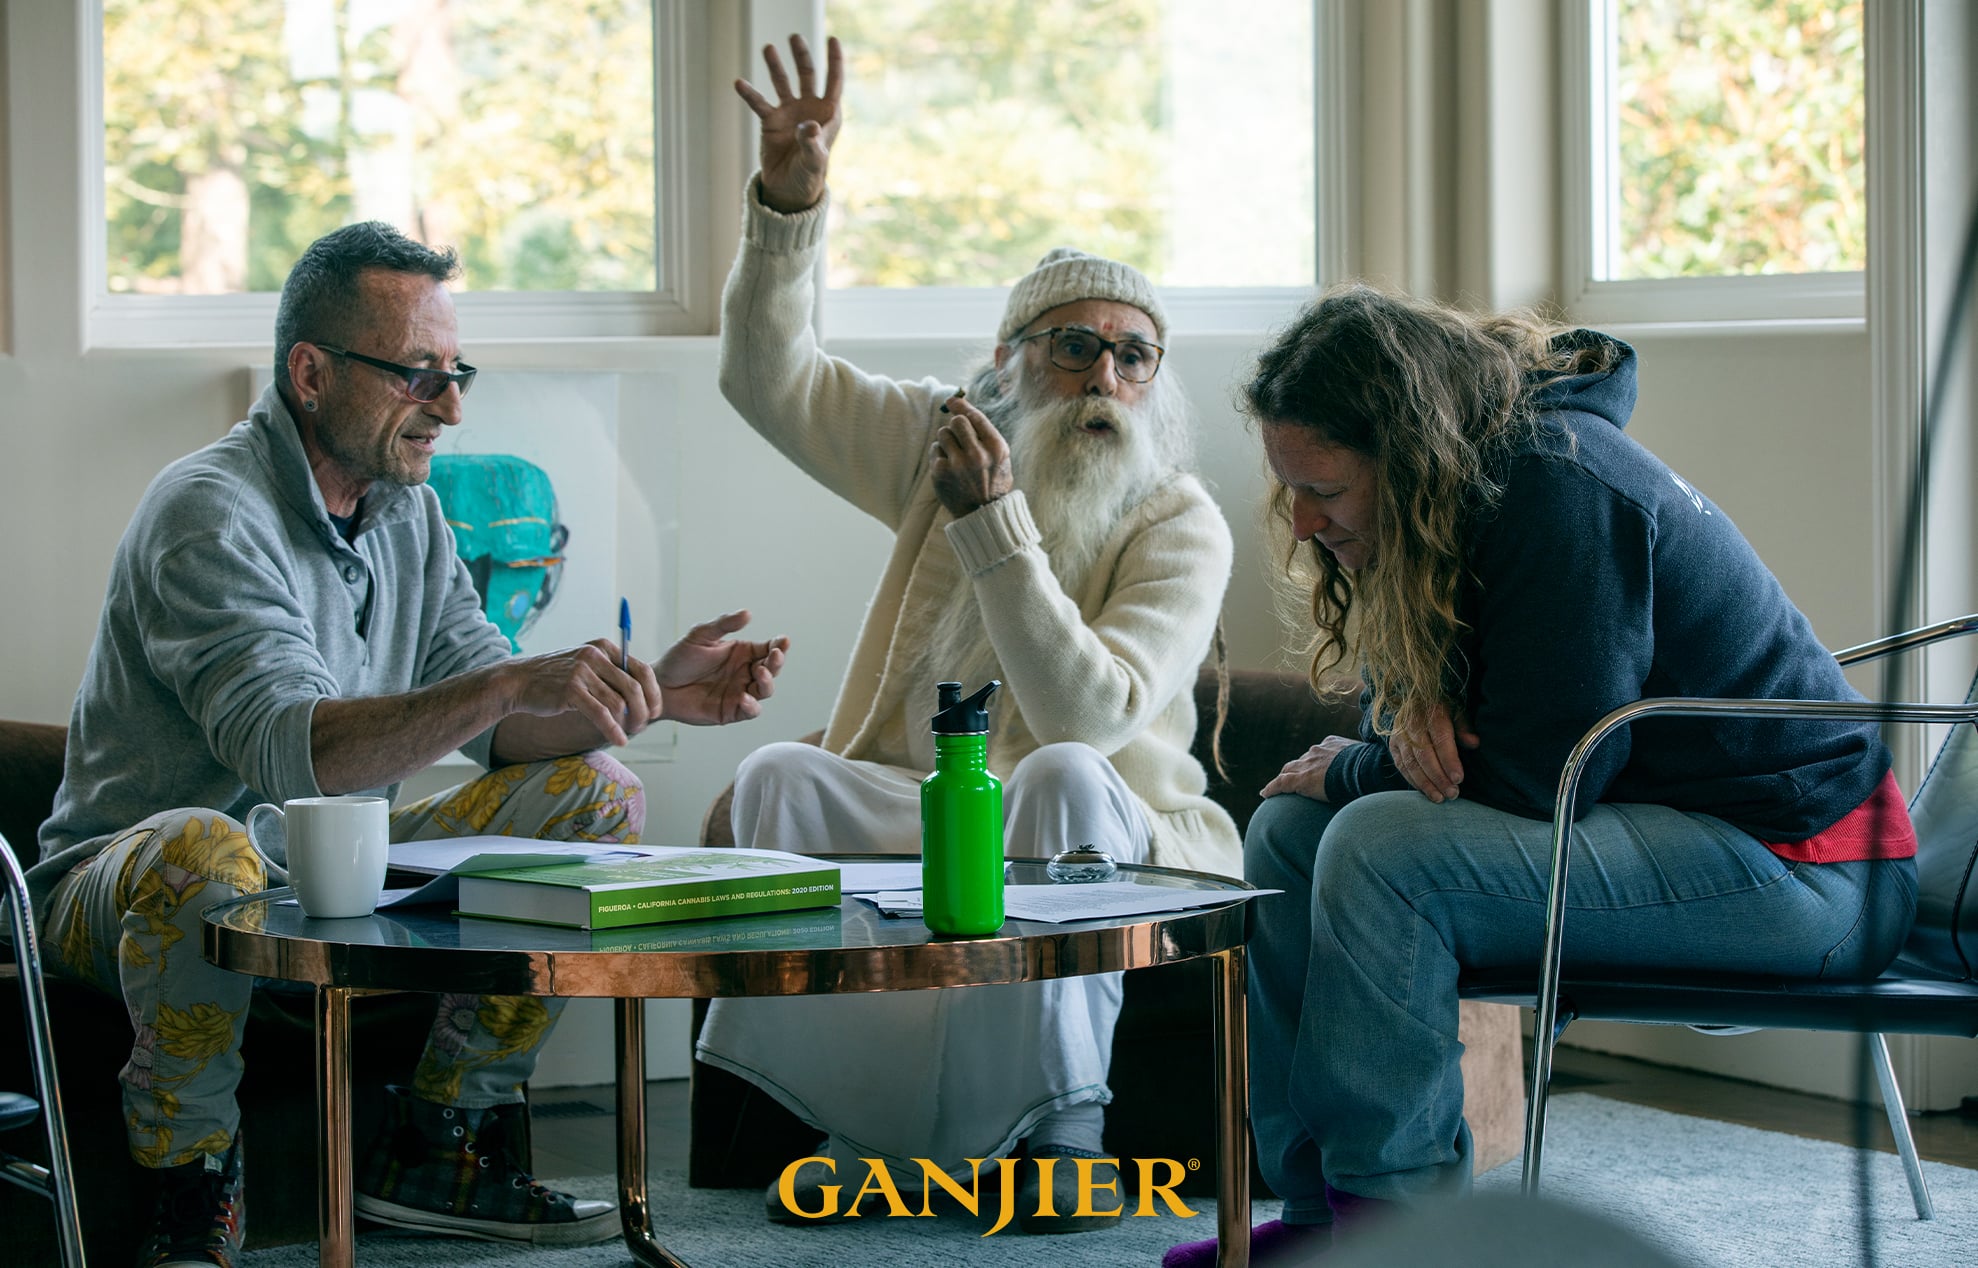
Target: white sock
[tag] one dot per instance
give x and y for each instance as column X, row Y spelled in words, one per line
column 1079, row 1126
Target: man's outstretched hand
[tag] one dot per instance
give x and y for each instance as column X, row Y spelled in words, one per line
column 797, row 131
column 709, row 679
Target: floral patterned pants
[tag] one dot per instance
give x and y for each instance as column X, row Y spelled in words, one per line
column 128, row 922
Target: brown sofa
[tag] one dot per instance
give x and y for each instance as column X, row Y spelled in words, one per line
column 1163, row 1063
column 92, row 1039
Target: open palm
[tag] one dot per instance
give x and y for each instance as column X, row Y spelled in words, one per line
column 797, row 128
column 709, row 679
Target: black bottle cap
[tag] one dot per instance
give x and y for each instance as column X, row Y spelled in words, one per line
column 962, row 717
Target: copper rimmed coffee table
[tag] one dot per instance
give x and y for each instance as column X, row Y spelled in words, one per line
column 846, row 950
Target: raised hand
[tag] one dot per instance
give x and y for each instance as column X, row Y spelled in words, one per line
column 710, row 679
column 797, row 130
column 588, row 682
column 970, row 460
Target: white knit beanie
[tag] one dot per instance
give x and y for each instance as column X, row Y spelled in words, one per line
column 1066, row 275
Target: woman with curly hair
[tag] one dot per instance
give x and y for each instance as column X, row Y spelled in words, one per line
column 1506, row 566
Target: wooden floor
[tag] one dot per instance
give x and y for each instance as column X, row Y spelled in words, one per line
column 1945, row 1136
column 575, row 1128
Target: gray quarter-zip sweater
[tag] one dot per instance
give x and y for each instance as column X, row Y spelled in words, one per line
column 233, row 607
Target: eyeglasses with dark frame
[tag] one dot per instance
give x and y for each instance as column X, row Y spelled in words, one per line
column 422, row 383
column 1076, row 348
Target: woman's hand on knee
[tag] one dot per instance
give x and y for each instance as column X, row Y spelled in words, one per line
column 1306, row 774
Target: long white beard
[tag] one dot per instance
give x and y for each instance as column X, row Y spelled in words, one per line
column 1079, row 485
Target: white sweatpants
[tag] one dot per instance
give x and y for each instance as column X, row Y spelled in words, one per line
column 939, row 1074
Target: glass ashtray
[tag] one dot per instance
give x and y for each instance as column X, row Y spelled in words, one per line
column 1082, row 864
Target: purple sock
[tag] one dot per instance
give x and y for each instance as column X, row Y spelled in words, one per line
column 1350, row 1210
column 1272, row 1242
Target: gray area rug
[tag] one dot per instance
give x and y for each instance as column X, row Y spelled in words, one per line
column 1659, row 1188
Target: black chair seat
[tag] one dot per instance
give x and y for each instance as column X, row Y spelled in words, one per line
column 1898, row 1002
column 17, row 1110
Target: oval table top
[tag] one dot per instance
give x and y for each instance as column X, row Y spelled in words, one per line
column 827, row 950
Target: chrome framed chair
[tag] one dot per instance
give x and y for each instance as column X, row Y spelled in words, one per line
column 56, row 1181
column 1931, row 989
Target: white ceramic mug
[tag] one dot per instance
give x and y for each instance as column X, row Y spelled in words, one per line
column 336, row 851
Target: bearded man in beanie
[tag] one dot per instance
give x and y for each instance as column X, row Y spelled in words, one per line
column 1048, row 534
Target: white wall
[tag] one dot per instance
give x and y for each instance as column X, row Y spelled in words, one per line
column 1774, row 428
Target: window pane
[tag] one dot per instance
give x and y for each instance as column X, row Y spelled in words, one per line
column 1737, row 126
column 1173, row 134
column 238, row 131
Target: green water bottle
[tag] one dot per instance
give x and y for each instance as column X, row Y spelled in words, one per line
column 961, row 820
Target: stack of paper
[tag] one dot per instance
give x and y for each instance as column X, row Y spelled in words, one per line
column 1061, row 904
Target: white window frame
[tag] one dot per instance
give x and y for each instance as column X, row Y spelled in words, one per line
column 950, row 312
column 1586, row 144
column 681, row 304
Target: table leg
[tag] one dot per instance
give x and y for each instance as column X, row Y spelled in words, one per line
column 336, row 1247
column 1233, row 1112
column 634, row 1208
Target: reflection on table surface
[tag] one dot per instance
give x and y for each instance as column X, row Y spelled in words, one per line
column 852, row 924
column 847, row 949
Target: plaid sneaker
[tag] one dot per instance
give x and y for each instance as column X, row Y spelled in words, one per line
column 201, row 1214
column 449, row 1169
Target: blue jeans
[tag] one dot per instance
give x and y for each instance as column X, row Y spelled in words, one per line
column 1352, row 985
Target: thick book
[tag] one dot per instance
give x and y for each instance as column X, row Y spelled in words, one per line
column 673, row 884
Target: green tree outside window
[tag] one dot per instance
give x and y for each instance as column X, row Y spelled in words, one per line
column 1739, row 126
column 238, row 131
column 979, row 134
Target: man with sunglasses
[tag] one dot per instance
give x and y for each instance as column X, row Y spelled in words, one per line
column 287, row 618
column 1048, row 533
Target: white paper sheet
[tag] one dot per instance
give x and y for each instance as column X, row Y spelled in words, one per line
column 1062, row 904
column 872, row 878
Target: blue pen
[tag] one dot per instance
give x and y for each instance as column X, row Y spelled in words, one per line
column 624, row 634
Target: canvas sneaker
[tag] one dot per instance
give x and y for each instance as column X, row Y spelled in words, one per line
column 454, row 1170
column 201, row 1214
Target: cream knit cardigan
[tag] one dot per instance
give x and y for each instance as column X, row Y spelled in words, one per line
column 1113, row 667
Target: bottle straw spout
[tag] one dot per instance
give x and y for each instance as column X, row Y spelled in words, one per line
column 963, row 716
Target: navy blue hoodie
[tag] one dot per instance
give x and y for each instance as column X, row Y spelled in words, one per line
column 1600, row 577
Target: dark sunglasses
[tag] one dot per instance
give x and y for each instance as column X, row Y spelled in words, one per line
column 422, row 384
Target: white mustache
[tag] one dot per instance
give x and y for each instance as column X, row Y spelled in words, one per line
column 1105, row 410
column 1075, row 414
